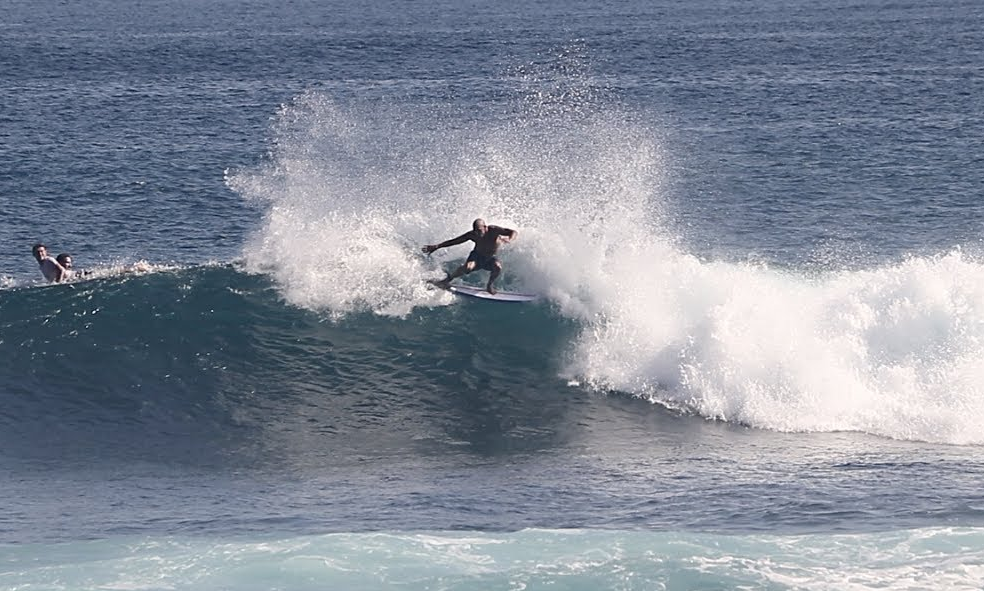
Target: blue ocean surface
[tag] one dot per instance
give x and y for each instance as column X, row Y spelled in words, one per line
column 755, row 227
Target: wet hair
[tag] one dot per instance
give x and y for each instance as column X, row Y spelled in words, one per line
column 37, row 247
column 62, row 258
column 478, row 222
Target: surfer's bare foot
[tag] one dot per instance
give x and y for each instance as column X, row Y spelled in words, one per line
column 490, row 289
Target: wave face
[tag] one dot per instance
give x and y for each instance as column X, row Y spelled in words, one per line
column 208, row 365
column 212, row 352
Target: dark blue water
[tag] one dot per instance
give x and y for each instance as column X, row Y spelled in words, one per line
column 755, row 228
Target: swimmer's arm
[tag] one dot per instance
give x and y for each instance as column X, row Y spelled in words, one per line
column 62, row 273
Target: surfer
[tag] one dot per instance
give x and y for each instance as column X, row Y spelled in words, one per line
column 487, row 239
column 65, row 260
column 50, row 268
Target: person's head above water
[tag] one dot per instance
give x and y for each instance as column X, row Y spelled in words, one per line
column 65, row 260
column 40, row 251
column 479, row 226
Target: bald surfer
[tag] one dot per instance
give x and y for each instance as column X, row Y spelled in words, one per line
column 487, row 240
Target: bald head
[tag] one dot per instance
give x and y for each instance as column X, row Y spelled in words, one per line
column 479, row 226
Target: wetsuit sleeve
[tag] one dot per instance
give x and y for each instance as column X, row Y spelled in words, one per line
column 459, row 240
column 500, row 231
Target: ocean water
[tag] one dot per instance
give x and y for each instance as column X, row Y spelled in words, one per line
column 755, row 226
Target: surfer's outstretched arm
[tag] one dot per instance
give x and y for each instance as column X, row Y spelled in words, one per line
column 452, row 242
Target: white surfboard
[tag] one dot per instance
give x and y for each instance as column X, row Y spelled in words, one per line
column 499, row 296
